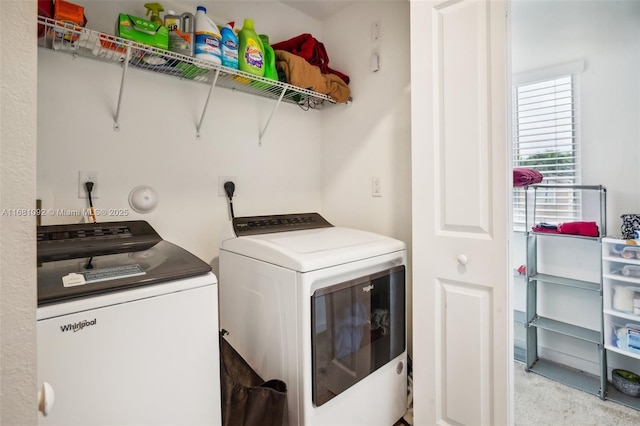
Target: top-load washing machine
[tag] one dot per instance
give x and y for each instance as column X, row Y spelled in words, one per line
column 127, row 328
column 322, row 308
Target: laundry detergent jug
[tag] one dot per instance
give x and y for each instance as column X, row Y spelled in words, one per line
column 251, row 51
column 208, row 39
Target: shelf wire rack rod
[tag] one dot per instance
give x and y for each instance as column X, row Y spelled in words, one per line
column 273, row 111
column 116, row 124
column 204, row 110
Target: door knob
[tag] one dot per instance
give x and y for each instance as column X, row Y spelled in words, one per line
column 462, row 259
column 45, row 399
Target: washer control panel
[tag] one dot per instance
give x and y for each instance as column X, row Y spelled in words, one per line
column 253, row 225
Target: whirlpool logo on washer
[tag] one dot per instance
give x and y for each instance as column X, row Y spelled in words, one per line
column 78, row 325
column 368, row 288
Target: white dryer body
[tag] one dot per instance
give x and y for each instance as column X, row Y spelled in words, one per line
column 324, row 310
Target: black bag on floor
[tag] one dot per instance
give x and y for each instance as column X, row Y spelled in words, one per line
column 247, row 400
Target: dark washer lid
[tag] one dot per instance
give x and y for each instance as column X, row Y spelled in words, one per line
column 81, row 260
column 57, row 242
column 254, row 225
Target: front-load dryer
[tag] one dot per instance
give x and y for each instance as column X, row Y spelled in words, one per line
column 322, row 308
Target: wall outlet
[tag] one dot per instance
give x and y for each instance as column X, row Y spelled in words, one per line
column 376, row 187
column 83, row 177
column 376, row 31
column 222, row 180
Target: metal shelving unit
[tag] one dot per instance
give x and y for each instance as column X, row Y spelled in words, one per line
column 77, row 41
column 534, row 322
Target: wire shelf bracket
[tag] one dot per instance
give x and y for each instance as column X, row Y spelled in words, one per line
column 116, row 124
column 273, row 111
column 204, row 109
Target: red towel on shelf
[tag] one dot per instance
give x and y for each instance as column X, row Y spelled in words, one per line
column 523, row 176
column 313, row 51
column 587, row 229
column 545, row 229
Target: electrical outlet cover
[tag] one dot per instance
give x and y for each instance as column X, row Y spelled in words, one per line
column 376, row 187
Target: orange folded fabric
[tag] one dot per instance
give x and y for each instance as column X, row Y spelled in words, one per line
column 301, row 74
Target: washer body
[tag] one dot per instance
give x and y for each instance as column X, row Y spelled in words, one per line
column 323, row 309
column 136, row 343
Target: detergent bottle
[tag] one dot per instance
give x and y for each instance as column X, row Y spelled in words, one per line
column 269, row 58
column 172, row 21
column 250, row 51
column 155, row 9
column 180, row 32
column 229, row 46
column 208, row 39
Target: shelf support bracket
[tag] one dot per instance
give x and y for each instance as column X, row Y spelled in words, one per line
column 116, row 124
column 204, row 110
column 264, row 130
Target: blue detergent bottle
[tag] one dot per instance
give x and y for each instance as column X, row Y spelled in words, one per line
column 229, row 46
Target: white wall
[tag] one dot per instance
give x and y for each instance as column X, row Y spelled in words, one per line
column 371, row 137
column 605, row 34
column 17, row 233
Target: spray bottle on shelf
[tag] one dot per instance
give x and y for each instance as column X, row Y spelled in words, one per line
column 208, row 39
column 154, row 9
column 181, row 36
column 229, row 46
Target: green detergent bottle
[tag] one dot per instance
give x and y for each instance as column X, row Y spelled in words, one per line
column 269, row 58
column 250, row 50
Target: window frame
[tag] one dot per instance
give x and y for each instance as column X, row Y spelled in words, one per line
column 562, row 204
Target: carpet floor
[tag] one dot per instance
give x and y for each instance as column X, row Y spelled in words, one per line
column 539, row 401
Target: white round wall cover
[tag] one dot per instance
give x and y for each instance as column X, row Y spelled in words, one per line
column 143, row 199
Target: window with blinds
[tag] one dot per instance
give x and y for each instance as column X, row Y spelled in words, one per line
column 546, row 139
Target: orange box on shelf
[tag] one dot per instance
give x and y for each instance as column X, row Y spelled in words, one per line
column 70, row 13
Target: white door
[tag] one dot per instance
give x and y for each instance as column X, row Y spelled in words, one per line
column 460, row 212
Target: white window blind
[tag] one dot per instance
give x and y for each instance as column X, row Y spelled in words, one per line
column 546, row 139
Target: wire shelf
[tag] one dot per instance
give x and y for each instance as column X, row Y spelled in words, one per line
column 75, row 40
